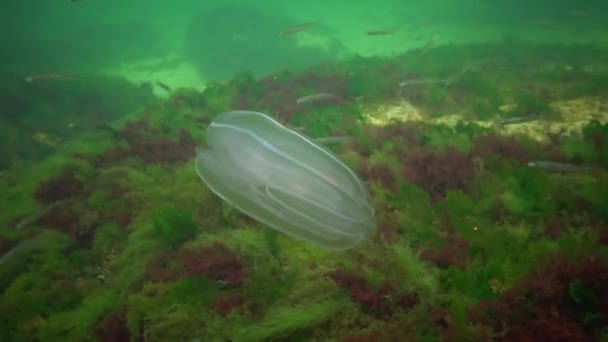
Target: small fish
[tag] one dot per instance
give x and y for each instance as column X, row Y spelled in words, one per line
column 429, row 45
column 380, row 32
column 558, row 167
column 518, row 120
column 32, row 219
column 49, row 76
column 315, row 98
column 419, row 81
column 447, row 81
column 453, row 78
column 164, row 86
column 23, row 247
column 297, row 28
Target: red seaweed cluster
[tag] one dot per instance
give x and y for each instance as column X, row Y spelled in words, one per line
column 113, row 328
column 551, row 303
column 278, row 94
column 603, row 232
column 387, row 230
column 215, row 262
column 439, row 172
column 72, row 217
column 149, row 145
column 161, row 150
column 453, row 252
column 224, row 304
column 378, row 302
column 408, row 131
column 164, row 268
column 486, row 146
column 67, row 219
column 381, row 174
column 5, row 245
column 63, row 186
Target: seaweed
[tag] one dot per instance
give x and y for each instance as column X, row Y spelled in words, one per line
column 216, row 262
column 63, row 186
column 437, row 172
column 113, row 328
column 471, row 243
column 494, row 146
column 361, row 292
column 174, row 226
column 288, row 321
column 547, row 299
column 225, row 304
column 530, row 105
column 453, row 252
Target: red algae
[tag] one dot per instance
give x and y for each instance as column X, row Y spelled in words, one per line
column 453, row 252
column 122, row 217
column 381, row 174
column 361, row 292
column 225, row 304
column 386, row 231
column 603, row 232
column 278, row 94
column 161, row 150
column 110, row 156
column 163, row 268
column 216, row 262
column 149, row 145
column 65, row 219
column 439, row 172
column 548, row 326
column 541, row 305
column 486, row 146
column 113, row 328
column 63, row 186
column 378, row 302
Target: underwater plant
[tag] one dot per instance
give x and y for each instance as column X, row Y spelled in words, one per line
column 216, row 262
column 174, row 225
column 439, row 172
column 557, row 298
column 285, row 180
column 60, row 187
column 530, row 105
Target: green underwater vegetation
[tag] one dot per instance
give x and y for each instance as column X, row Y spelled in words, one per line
column 109, row 234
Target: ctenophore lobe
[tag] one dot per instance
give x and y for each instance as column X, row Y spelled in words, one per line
column 284, row 180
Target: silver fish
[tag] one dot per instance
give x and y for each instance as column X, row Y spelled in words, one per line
column 518, row 120
column 559, row 167
column 314, row 98
column 26, row 222
column 420, row 81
